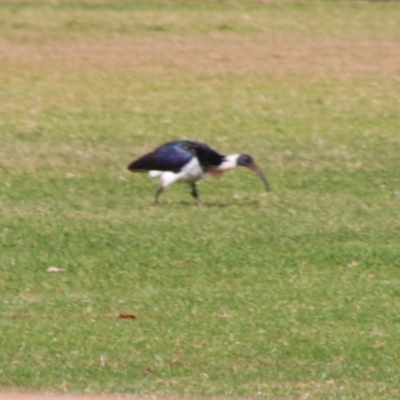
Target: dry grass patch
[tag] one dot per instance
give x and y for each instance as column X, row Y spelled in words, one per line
column 44, row 396
column 215, row 54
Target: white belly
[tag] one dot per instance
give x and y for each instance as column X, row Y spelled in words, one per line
column 191, row 172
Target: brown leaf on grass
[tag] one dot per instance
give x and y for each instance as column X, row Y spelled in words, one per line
column 126, row 316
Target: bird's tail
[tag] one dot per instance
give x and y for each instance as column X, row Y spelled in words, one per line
column 155, row 174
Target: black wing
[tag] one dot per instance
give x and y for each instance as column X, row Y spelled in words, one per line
column 170, row 156
column 207, row 156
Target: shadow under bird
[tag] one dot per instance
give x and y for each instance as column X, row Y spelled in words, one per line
column 188, row 161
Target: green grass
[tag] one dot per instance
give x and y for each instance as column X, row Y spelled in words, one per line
column 282, row 295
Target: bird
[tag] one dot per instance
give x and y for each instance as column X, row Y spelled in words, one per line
column 189, row 161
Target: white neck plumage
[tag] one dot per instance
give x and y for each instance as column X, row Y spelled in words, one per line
column 229, row 162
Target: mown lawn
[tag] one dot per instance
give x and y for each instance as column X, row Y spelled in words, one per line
column 288, row 294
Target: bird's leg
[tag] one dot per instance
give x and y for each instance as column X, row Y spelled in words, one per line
column 158, row 192
column 194, row 193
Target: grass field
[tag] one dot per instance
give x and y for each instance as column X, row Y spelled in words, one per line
column 292, row 294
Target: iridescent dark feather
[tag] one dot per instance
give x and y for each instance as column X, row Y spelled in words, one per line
column 173, row 156
column 170, row 156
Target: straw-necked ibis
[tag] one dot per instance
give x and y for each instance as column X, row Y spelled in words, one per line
column 189, row 161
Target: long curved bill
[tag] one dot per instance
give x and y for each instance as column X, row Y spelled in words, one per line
column 258, row 171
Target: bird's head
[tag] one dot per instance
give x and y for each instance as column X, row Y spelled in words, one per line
column 244, row 160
